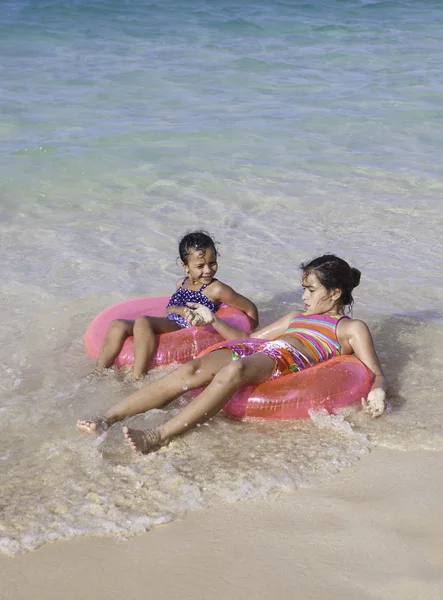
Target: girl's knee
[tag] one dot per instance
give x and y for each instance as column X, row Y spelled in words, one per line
column 142, row 323
column 234, row 373
column 191, row 368
column 118, row 326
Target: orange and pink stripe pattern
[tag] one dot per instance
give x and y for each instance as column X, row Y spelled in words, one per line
column 318, row 333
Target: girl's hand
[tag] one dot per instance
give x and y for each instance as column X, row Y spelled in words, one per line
column 375, row 403
column 197, row 314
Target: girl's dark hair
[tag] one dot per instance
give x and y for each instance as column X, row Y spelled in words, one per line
column 197, row 241
column 334, row 273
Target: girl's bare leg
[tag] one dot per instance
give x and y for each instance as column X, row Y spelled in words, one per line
column 251, row 370
column 145, row 330
column 194, row 374
column 118, row 331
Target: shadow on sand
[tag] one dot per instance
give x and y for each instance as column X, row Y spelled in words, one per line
column 396, row 341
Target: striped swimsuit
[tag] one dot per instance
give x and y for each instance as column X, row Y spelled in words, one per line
column 318, row 333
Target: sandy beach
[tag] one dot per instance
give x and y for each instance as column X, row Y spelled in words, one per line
column 374, row 530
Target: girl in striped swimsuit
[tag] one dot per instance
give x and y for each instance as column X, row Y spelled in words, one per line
column 294, row 342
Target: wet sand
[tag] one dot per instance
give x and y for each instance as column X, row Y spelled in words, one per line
column 373, row 531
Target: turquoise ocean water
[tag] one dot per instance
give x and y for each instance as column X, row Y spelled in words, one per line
column 285, row 128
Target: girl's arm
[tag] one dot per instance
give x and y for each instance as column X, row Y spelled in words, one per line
column 232, row 298
column 360, row 340
column 197, row 314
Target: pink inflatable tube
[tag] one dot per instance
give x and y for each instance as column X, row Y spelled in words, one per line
column 330, row 385
column 177, row 346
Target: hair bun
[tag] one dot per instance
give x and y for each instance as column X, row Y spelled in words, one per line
column 355, row 276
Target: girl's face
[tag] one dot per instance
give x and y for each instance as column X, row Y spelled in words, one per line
column 202, row 266
column 317, row 299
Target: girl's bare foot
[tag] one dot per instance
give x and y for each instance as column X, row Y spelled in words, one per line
column 129, row 377
column 94, row 373
column 143, row 441
column 96, row 424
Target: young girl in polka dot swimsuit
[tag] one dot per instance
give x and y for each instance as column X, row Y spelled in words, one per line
column 198, row 257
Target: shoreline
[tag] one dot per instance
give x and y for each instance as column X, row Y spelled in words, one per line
column 374, row 529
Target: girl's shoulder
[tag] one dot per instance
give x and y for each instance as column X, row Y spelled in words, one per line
column 294, row 314
column 352, row 328
column 351, row 324
column 289, row 317
column 180, row 282
column 217, row 289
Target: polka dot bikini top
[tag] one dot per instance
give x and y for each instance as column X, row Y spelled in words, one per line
column 182, row 296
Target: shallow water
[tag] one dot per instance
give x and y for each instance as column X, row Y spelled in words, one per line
column 287, row 130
